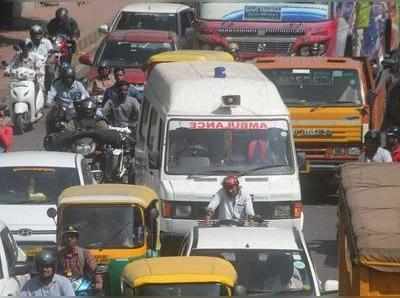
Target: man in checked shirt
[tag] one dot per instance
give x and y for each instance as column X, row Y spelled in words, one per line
column 76, row 262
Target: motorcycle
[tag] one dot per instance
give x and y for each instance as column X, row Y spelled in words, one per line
column 119, row 161
column 83, row 287
column 26, row 98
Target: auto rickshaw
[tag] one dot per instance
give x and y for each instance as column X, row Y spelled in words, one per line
column 186, row 55
column 117, row 223
column 180, row 276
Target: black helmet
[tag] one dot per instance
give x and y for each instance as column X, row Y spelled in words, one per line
column 36, row 29
column 62, row 12
column 86, row 108
column 393, row 132
column 46, row 257
column 71, row 230
column 68, row 72
column 373, row 136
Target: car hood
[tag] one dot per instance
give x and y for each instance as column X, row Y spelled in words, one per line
column 262, row 188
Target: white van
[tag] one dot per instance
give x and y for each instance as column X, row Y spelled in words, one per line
column 200, row 122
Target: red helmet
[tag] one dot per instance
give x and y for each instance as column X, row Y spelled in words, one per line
column 230, row 182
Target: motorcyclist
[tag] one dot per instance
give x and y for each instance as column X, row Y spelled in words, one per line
column 67, row 89
column 65, row 25
column 231, row 201
column 122, row 110
column 47, row 283
column 77, row 262
column 6, row 130
column 102, row 81
column 373, row 152
column 40, row 44
column 28, row 59
column 86, row 117
column 393, row 142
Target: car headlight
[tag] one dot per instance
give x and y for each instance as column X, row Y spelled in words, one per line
column 183, row 211
column 355, row 151
column 282, row 211
column 339, row 151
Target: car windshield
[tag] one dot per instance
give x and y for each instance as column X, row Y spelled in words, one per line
column 265, row 11
column 151, row 21
column 308, row 87
column 267, row 271
column 106, row 226
column 131, row 54
column 217, row 147
column 35, row 185
column 187, row 289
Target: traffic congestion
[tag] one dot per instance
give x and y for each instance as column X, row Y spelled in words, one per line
column 178, row 152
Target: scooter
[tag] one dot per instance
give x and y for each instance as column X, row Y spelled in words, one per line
column 26, row 99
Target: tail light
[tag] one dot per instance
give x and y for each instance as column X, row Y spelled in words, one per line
column 166, row 209
column 297, row 209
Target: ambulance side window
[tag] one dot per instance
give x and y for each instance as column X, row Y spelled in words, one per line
column 145, row 118
column 152, row 131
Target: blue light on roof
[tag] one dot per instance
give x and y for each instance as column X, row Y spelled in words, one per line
column 219, row 72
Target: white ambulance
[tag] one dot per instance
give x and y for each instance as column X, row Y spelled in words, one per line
column 202, row 121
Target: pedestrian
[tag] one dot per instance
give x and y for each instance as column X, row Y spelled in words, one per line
column 6, row 130
column 47, row 283
column 393, row 142
column 373, row 152
column 231, row 201
column 77, row 262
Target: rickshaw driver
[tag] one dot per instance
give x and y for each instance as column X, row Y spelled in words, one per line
column 233, row 203
column 77, row 262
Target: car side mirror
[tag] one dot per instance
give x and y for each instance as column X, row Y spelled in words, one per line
column 154, row 160
column 302, row 162
column 85, row 59
column 331, row 287
column 104, row 28
column 239, row 290
column 52, row 212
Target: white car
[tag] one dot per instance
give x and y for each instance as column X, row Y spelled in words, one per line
column 13, row 266
column 30, row 183
column 269, row 260
column 173, row 17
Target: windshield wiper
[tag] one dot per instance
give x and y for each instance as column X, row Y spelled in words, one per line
column 215, row 171
column 262, row 168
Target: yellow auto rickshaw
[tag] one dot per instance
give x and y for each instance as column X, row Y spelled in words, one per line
column 116, row 222
column 186, row 55
column 180, row 276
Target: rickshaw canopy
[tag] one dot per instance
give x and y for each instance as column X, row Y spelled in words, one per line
column 183, row 269
column 190, row 55
column 108, row 194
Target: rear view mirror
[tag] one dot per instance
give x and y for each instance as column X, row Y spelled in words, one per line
column 52, row 213
column 154, row 160
column 103, row 28
column 331, row 287
column 302, row 162
column 239, row 290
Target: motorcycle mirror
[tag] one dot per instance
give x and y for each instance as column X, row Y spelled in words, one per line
column 52, row 213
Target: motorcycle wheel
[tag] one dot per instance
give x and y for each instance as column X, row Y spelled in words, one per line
column 19, row 124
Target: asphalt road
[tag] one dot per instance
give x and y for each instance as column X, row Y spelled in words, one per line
column 320, row 214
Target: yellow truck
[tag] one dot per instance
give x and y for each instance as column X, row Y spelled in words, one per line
column 368, row 233
column 333, row 102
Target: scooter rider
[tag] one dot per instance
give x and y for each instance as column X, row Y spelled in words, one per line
column 77, row 262
column 233, row 203
column 393, row 142
column 102, row 81
column 373, row 152
column 47, row 283
column 40, row 44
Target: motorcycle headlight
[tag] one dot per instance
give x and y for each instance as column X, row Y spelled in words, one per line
column 85, row 148
column 183, row 211
column 355, row 151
